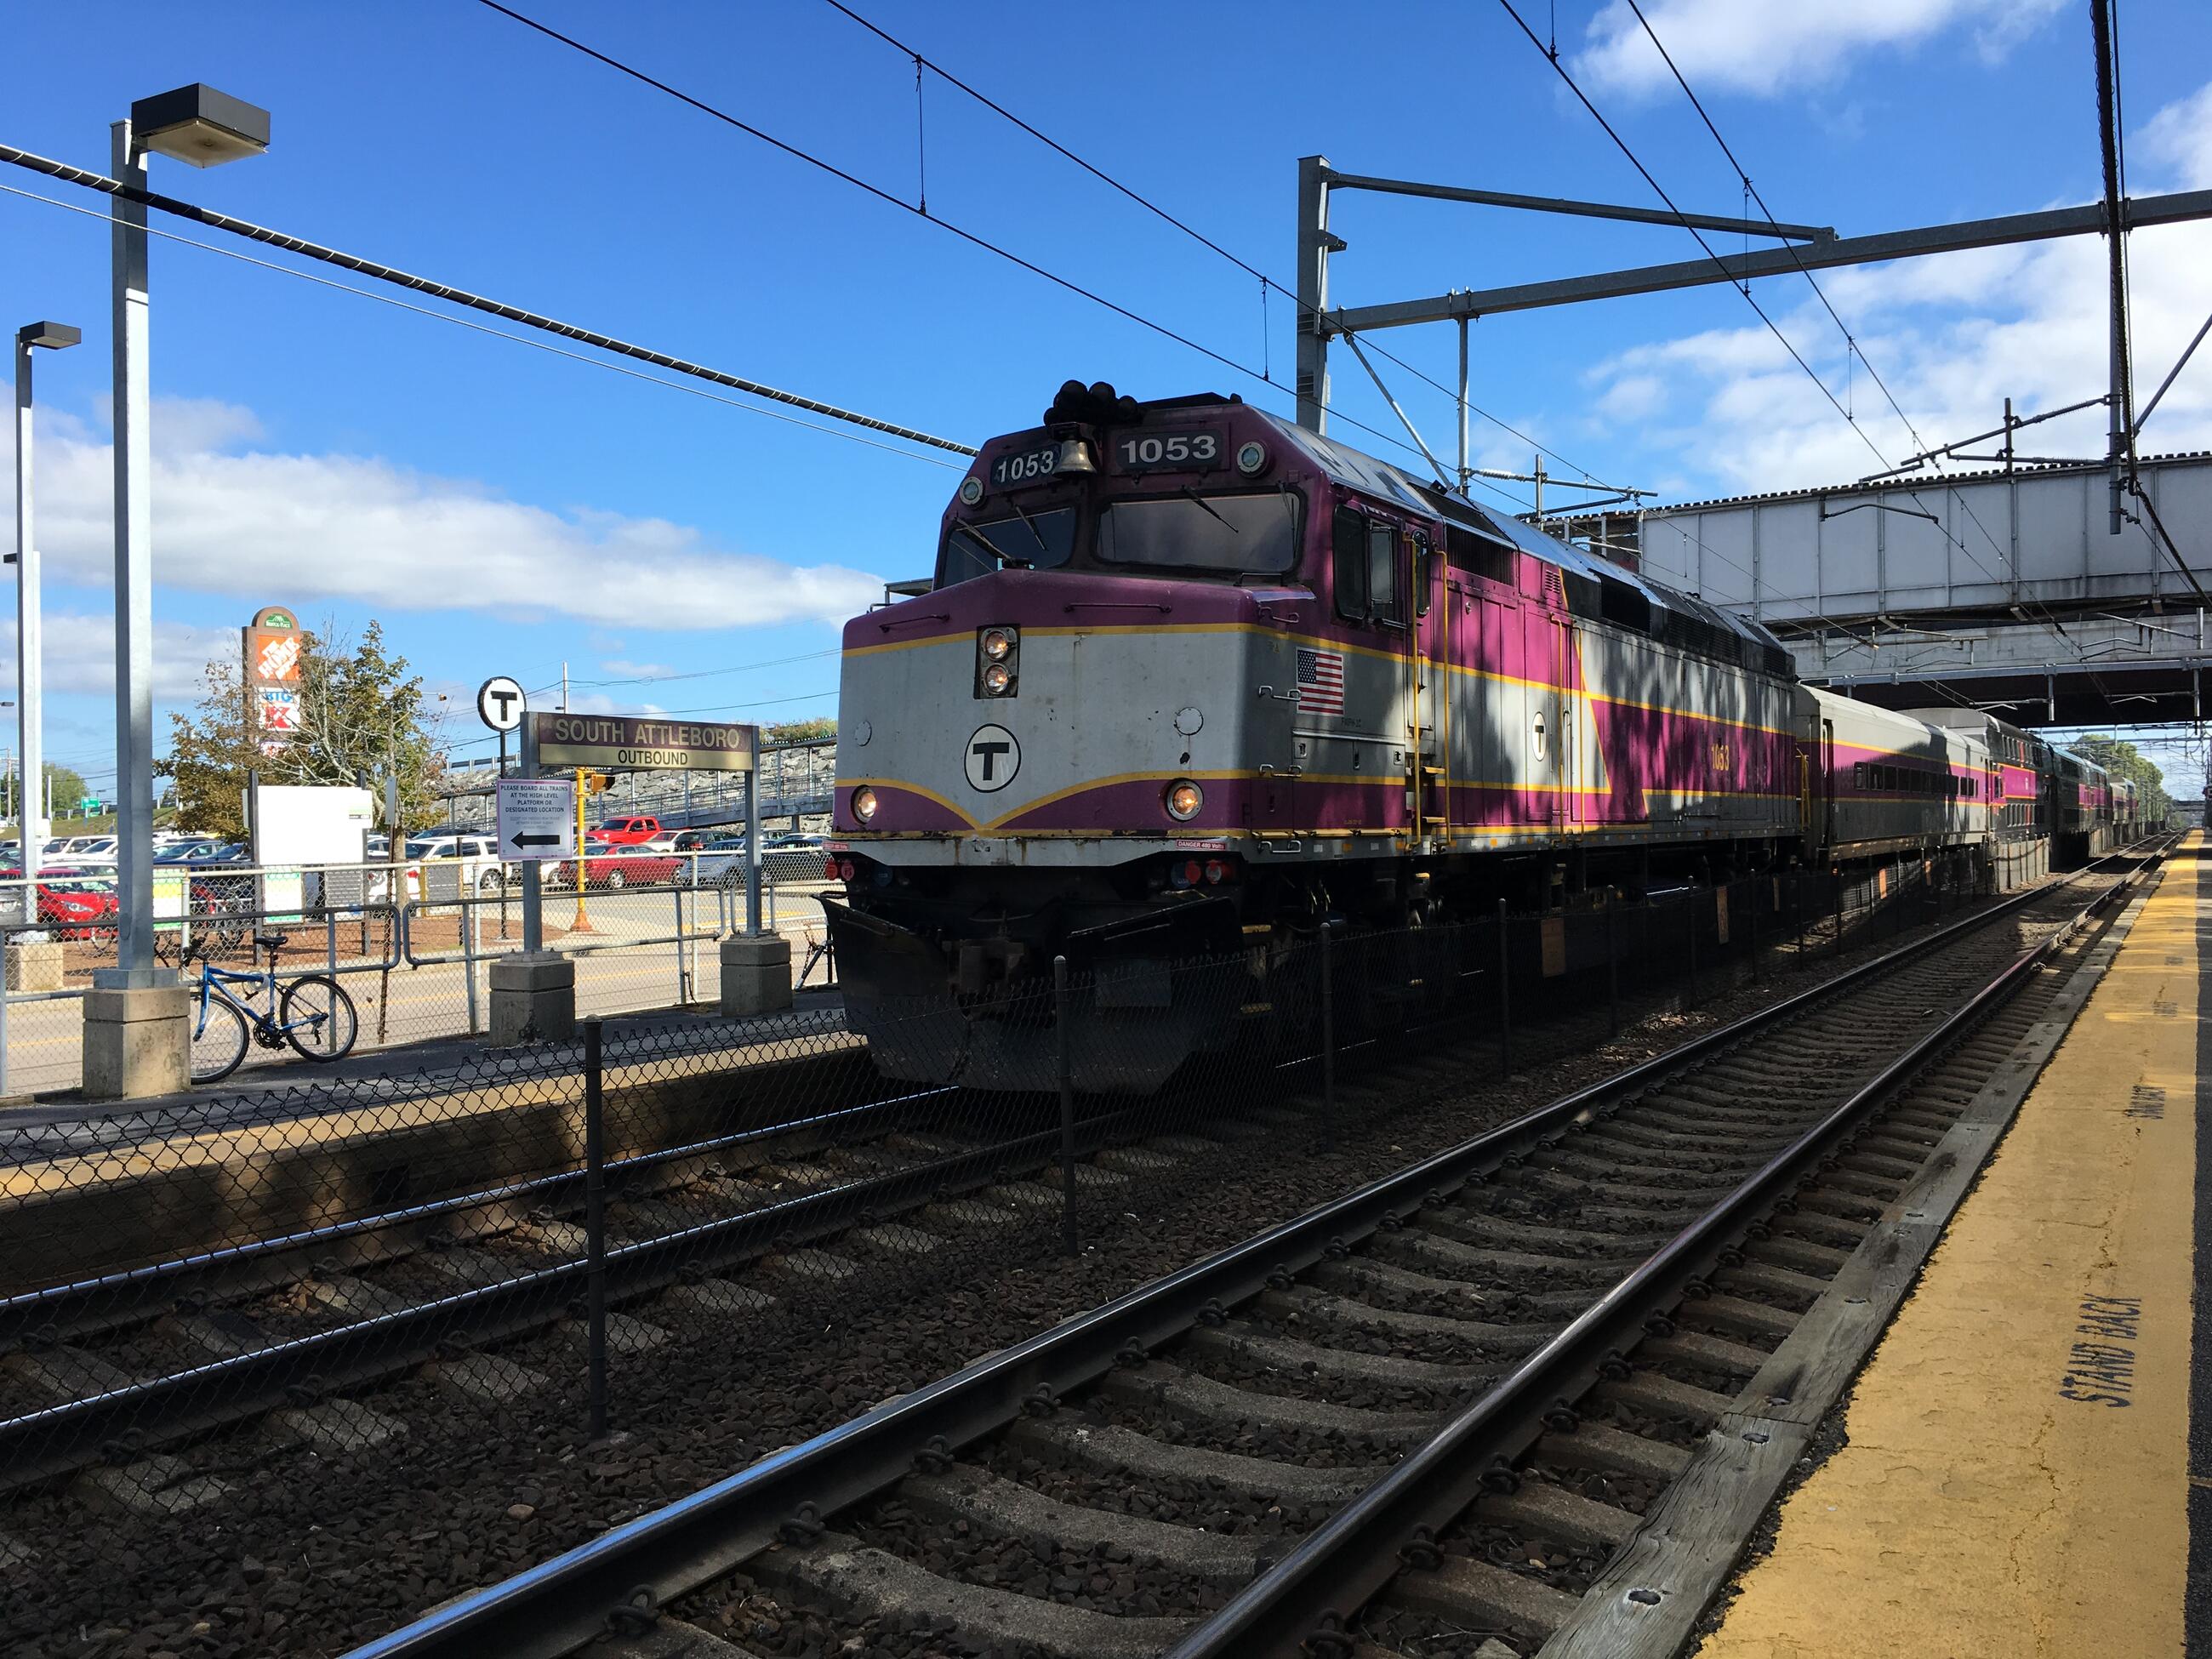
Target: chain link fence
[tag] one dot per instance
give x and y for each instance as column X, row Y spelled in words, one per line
column 416, row 1269
column 411, row 942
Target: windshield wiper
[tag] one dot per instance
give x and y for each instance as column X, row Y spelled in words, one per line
column 1201, row 500
column 984, row 542
column 1034, row 534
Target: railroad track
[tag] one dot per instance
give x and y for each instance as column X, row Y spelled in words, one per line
column 1433, row 1414
column 119, row 1372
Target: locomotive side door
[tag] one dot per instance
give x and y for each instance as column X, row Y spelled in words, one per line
column 1566, row 800
column 1428, row 754
column 1542, row 734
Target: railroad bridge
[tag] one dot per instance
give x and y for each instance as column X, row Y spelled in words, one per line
column 2000, row 588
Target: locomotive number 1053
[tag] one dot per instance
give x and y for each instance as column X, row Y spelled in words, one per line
column 1182, row 451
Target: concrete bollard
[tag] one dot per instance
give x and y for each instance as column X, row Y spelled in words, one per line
column 533, row 999
column 35, row 966
column 756, row 973
column 137, row 1041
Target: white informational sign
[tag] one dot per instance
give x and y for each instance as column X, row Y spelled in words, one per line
column 499, row 703
column 536, row 819
column 310, row 824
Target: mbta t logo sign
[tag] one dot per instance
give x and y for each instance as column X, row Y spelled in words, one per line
column 991, row 759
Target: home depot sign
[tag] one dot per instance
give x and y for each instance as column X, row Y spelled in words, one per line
column 275, row 650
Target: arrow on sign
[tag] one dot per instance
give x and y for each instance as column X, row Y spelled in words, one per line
column 535, row 840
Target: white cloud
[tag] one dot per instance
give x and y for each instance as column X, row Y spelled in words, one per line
column 1953, row 337
column 1633, row 397
column 636, row 671
column 245, row 521
column 2180, row 135
column 80, row 657
column 1762, row 47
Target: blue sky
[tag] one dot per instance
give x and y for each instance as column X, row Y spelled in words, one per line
column 503, row 509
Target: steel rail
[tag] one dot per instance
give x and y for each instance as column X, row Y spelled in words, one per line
column 558, row 1605
column 56, row 1438
column 78, row 1299
column 1352, row 1557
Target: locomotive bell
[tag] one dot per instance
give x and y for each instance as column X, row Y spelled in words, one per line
column 1075, row 457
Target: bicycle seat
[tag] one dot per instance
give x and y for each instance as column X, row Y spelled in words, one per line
column 272, row 941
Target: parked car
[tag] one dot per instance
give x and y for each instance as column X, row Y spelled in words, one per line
column 75, row 904
column 482, row 868
column 191, row 852
column 611, row 866
column 626, row 832
column 80, row 849
column 77, row 907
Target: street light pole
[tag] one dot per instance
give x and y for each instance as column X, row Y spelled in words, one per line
column 133, row 581
column 30, row 821
column 203, row 127
column 136, row 1041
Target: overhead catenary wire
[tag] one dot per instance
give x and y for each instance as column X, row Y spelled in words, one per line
column 87, row 179
column 1266, row 283
column 481, row 328
column 972, row 238
column 1743, row 289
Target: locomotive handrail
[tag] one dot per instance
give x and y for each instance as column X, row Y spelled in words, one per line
column 1119, row 604
column 900, row 622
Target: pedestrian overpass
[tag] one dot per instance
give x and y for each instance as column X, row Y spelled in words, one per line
column 2003, row 589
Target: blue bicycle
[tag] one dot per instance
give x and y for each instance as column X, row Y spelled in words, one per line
column 312, row 1013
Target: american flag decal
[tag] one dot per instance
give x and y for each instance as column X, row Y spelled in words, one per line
column 1321, row 682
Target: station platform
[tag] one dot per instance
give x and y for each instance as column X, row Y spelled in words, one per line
column 2029, row 1451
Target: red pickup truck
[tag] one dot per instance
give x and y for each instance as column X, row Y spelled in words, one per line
column 626, row 832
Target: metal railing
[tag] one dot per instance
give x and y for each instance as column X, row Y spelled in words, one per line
column 427, row 929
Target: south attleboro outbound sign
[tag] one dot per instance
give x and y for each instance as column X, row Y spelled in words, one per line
column 642, row 743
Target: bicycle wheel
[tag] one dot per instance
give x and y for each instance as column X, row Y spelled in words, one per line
column 318, row 1017
column 218, row 1039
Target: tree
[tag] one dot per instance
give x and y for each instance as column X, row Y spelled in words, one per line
column 361, row 714
column 2124, row 759
column 818, row 730
column 67, row 789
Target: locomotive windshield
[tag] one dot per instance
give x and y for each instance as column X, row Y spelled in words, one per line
column 1232, row 534
column 1038, row 541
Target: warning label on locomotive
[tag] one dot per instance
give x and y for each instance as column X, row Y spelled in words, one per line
column 643, row 742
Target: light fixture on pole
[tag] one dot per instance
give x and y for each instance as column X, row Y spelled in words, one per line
column 30, row 823
column 203, row 127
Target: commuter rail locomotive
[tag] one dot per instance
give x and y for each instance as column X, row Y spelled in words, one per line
column 1191, row 680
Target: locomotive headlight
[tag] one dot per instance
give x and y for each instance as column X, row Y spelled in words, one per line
column 971, row 491
column 998, row 661
column 1252, row 459
column 1183, row 800
column 863, row 803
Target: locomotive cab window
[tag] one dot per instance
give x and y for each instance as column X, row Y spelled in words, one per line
column 1250, row 534
column 1385, row 603
column 1365, row 553
column 1035, row 541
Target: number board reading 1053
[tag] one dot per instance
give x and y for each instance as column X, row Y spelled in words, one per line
column 1031, row 467
column 1177, row 452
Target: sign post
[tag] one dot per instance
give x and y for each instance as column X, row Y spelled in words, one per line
column 501, row 705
